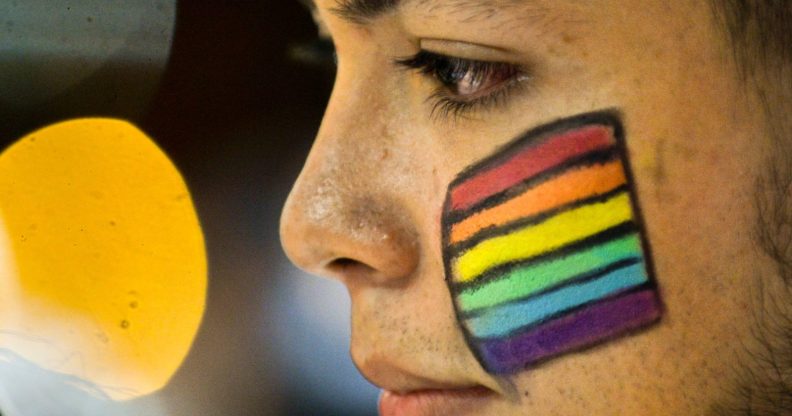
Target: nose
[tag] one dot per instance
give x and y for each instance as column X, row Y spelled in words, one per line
column 344, row 217
column 328, row 231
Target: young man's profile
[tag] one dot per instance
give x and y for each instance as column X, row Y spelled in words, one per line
column 558, row 207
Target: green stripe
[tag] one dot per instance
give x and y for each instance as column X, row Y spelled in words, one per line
column 522, row 282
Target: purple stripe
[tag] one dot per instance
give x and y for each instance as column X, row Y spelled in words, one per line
column 584, row 328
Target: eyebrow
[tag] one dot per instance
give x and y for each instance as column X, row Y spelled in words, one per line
column 363, row 11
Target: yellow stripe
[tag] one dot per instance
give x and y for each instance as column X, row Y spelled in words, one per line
column 533, row 240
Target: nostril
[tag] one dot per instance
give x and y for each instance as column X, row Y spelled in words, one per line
column 345, row 264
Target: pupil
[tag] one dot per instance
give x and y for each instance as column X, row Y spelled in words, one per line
column 448, row 73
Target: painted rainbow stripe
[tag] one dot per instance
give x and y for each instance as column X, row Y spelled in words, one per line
column 543, row 245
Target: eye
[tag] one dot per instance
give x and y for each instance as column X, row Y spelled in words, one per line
column 464, row 83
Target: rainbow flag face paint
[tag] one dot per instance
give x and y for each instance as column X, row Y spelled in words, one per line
column 544, row 248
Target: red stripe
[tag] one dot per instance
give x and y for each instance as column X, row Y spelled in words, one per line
column 530, row 162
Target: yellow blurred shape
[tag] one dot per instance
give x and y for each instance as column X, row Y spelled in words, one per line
column 104, row 271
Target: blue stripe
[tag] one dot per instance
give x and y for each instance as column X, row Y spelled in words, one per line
column 501, row 320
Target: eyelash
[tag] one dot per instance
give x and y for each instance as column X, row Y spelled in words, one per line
column 450, row 71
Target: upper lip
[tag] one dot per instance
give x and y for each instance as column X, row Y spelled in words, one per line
column 462, row 390
column 475, row 390
column 404, row 382
column 401, row 381
column 432, row 401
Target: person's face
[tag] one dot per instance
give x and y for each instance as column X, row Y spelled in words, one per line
column 373, row 205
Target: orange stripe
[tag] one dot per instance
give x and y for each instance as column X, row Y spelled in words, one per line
column 566, row 188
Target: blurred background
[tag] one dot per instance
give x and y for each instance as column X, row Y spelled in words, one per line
column 234, row 92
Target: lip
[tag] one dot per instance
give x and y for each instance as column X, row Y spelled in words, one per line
column 433, row 402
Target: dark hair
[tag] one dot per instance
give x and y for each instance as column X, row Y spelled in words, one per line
column 760, row 31
column 760, row 35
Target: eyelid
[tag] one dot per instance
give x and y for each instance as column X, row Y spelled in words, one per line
column 446, row 102
column 425, row 60
column 470, row 51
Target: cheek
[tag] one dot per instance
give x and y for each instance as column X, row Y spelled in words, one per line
column 543, row 245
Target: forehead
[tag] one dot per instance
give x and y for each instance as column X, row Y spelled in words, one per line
column 478, row 19
column 365, row 11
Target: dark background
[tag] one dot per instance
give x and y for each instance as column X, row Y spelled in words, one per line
column 237, row 115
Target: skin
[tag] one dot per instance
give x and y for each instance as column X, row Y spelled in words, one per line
column 366, row 208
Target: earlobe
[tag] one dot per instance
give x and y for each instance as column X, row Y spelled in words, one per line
column 544, row 246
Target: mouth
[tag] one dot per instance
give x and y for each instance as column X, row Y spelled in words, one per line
column 434, row 401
